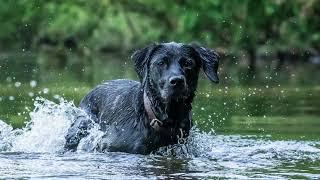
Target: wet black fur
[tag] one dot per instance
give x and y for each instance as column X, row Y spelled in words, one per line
column 117, row 105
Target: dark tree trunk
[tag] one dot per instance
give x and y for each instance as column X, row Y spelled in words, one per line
column 252, row 64
column 281, row 59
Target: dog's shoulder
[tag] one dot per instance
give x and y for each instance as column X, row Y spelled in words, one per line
column 111, row 93
column 119, row 84
column 114, row 101
column 114, row 87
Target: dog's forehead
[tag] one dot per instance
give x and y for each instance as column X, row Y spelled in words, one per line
column 173, row 48
column 172, row 44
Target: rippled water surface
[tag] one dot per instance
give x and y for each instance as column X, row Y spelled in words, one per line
column 36, row 151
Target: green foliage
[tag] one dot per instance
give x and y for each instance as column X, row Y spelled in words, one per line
column 130, row 23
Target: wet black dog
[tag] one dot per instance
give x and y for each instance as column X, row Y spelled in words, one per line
column 141, row 117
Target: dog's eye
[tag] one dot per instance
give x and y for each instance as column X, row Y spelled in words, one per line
column 161, row 63
column 187, row 63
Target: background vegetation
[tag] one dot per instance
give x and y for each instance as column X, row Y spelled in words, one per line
column 283, row 33
column 270, row 52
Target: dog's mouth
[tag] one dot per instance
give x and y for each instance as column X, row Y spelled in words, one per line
column 170, row 93
column 177, row 94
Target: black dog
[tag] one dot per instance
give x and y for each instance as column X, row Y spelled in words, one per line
column 141, row 117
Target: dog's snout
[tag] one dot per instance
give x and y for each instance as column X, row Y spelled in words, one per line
column 177, row 81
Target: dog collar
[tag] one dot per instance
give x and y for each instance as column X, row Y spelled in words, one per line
column 155, row 123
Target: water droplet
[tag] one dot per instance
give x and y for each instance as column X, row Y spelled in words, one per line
column 33, row 83
column 56, row 96
column 17, row 84
column 45, row 90
column 9, row 79
column 31, row 94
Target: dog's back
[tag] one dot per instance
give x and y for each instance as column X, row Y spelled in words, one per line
column 115, row 106
column 112, row 101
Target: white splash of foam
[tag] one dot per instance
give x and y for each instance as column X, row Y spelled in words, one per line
column 91, row 142
column 46, row 130
column 7, row 134
column 241, row 151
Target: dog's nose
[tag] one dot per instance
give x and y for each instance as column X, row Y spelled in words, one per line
column 177, row 81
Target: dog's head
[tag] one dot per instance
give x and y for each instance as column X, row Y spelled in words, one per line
column 172, row 69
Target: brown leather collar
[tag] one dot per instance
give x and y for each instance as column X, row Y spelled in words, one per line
column 155, row 123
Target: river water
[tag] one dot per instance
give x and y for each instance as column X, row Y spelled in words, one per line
column 36, row 151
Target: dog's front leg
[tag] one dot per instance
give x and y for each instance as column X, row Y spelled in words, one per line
column 77, row 131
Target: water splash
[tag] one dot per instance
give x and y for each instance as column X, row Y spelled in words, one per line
column 235, row 151
column 7, row 135
column 90, row 142
column 46, row 130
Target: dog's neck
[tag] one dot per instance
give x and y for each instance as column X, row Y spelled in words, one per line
column 173, row 114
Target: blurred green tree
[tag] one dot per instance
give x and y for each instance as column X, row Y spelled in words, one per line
column 239, row 28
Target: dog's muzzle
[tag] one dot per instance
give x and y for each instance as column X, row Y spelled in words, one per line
column 177, row 81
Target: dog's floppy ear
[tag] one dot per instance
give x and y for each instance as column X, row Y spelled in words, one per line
column 141, row 60
column 209, row 60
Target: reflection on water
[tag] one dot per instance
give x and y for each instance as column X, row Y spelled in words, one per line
column 130, row 166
